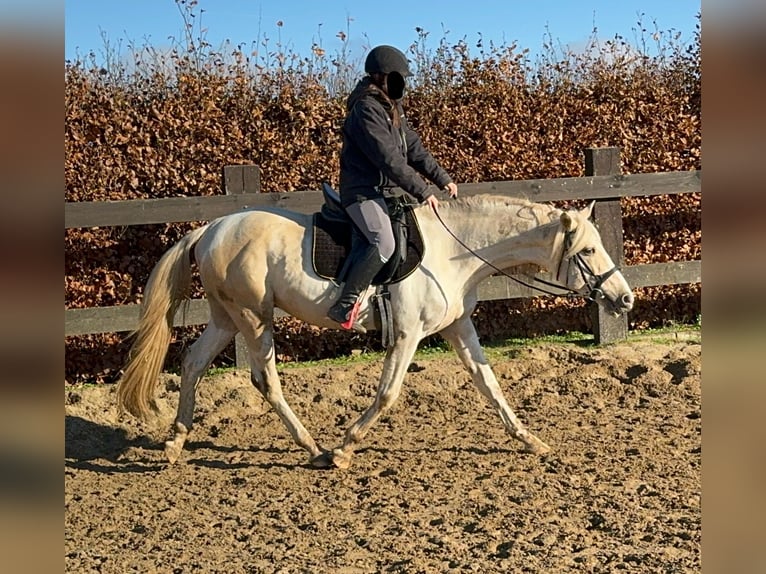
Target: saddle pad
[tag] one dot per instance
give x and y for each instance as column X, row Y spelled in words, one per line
column 332, row 243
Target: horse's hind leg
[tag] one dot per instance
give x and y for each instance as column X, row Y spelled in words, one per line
column 263, row 374
column 462, row 335
column 395, row 366
column 218, row 333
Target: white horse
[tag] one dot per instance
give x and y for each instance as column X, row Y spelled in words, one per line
column 252, row 261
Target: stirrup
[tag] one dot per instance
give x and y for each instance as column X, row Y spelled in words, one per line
column 348, row 324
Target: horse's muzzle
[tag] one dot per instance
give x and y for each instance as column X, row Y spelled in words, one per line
column 623, row 304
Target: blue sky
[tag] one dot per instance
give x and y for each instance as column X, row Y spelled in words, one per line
column 568, row 22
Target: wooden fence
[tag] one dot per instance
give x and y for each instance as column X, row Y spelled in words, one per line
column 602, row 182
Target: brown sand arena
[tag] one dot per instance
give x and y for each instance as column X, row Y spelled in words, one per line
column 437, row 486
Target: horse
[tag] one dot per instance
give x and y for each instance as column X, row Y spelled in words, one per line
column 252, row 261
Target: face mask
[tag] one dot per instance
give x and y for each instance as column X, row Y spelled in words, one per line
column 395, row 84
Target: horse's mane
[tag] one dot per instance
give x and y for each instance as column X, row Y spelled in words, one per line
column 546, row 214
column 487, row 202
column 493, row 202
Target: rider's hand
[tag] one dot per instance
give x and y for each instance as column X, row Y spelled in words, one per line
column 451, row 188
column 432, row 201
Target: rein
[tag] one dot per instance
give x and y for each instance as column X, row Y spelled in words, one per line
column 582, row 266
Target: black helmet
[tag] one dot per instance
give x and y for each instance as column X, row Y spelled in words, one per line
column 386, row 59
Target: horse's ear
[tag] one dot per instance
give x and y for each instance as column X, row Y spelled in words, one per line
column 566, row 221
column 586, row 212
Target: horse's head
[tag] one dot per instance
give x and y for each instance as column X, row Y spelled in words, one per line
column 586, row 267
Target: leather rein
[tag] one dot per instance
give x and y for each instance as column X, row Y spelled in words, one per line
column 593, row 280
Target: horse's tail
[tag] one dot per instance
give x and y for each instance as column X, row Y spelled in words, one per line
column 166, row 289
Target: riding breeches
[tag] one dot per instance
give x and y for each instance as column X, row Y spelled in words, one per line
column 372, row 220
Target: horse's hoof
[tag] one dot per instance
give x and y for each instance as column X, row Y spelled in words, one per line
column 534, row 445
column 172, row 451
column 331, row 459
column 323, row 460
column 340, row 459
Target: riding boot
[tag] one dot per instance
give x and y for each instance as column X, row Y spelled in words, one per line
column 346, row 308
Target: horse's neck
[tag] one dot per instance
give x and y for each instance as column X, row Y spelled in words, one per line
column 505, row 235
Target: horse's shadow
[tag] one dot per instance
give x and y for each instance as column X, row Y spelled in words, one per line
column 194, row 446
column 87, row 442
column 430, row 451
column 100, row 447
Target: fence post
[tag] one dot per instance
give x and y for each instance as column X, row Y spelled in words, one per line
column 241, row 179
column 607, row 216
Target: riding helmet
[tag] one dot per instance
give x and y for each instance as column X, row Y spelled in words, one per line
column 386, row 59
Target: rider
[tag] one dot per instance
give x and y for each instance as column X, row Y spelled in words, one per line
column 380, row 151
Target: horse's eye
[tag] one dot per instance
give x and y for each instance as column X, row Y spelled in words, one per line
column 589, row 251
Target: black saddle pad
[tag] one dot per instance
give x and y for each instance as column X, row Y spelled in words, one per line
column 332, row 244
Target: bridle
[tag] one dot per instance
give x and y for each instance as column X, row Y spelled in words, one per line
column 592, row 280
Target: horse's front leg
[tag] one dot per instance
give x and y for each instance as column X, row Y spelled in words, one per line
column 395, row 366
column 462, row 335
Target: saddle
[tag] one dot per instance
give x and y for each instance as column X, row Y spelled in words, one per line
column 337, row 242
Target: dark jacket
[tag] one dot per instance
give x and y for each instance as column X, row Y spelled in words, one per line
column 376, row 155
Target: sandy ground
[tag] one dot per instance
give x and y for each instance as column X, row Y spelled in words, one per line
column 437, row 487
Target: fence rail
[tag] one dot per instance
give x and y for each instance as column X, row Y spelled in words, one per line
column 182, row 209
column 120, row 318
column 603, row 183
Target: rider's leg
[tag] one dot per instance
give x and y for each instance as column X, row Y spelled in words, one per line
column 371, row 218
column 346, row 308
